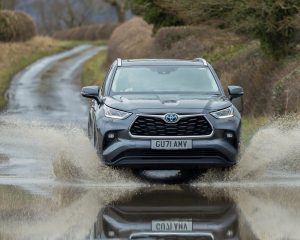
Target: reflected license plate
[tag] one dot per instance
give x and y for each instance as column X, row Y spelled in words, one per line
column 172, row 226
column 171, row 144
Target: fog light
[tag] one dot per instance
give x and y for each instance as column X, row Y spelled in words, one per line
column 229, row 233
column 229, row 135
column 111, row 136
column 109, row 139
column 111, row 233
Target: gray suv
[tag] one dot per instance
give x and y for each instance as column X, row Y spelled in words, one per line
column 164, row 114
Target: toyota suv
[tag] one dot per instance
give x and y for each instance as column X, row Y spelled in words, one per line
column 164, row 114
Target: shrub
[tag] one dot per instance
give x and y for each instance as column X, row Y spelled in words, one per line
column 132, row 39
column 91, row 32
column 16, row 26
column 249, row 70
column 286, row 97
column 191, row 41
column 270, row 86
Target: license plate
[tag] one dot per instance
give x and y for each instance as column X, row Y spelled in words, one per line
column 172, row 226
column 171, row 144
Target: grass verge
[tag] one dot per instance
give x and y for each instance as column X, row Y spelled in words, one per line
column 16, row 56
column 93, row 72
column 81, row 42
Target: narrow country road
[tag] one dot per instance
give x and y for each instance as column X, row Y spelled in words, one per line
column 49, row 90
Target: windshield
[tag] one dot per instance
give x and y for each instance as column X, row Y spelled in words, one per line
column 164, row 79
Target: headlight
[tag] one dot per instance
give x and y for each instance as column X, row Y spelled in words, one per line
column 114, row 113
column 224, row 113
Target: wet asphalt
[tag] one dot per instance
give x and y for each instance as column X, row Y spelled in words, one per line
column 53, row 186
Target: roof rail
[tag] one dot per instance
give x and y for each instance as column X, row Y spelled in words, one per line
column 119, row 61
column 202, row 60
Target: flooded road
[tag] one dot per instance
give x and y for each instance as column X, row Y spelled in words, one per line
column 52, row 185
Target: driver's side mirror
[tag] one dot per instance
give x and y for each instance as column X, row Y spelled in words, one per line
column 235, row 92
column 91, row 92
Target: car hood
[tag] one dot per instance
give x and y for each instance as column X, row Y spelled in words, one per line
column 170, row 102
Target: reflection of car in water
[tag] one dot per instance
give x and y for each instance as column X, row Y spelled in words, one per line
column 168, row 214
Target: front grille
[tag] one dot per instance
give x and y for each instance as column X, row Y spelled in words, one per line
column 154, row 126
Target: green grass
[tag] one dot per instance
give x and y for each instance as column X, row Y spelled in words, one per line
column 93, row 72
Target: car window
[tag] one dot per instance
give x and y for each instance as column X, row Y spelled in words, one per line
column 108, row 76
column 164, row 79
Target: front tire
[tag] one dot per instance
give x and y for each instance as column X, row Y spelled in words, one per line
column 184, row 176
column 90, row 130
column 95, row 142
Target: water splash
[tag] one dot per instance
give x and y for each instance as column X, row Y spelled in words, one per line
column 65, row 153
column 60, row 152
column 275, row 147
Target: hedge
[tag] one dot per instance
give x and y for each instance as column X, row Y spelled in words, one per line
column 90, row 32
column 16, row 26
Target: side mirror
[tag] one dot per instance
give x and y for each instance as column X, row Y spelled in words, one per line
column 235, row 92
column 91, row 92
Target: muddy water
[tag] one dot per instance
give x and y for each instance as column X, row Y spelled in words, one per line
column 53, row 186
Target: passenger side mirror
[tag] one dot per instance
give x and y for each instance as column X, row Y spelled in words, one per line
column 91, row 92
column 235, row 92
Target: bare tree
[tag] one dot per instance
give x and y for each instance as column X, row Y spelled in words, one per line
column 121, row 6
column 57, row 15
column 8, row 4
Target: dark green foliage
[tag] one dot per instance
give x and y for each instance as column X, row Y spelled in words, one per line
column 15, row 26
column 155, row 14
column 273, row 22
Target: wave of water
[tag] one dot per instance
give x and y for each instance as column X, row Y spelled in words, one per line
column 66, row 150
column 275, row 147
column 70, row 155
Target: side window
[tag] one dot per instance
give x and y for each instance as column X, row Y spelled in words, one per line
column 108, row 74
column 214, row 72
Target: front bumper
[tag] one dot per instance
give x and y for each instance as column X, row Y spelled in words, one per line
column 138, row 154
column 129, row 151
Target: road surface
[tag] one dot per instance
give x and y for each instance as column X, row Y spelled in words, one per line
column 53, row 186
